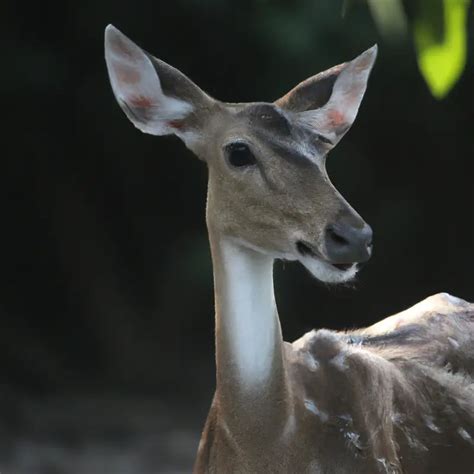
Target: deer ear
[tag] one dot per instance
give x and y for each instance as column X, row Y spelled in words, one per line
column 156, row 97
column 329, row 101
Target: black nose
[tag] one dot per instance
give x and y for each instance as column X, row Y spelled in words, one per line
column 346, row 243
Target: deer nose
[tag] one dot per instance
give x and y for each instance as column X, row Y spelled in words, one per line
column 346, row 243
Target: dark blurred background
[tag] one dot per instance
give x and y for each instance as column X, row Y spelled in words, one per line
column 106, row 303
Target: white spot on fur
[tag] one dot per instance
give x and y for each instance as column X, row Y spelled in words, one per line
column 311, row 363
column 396, row 417
column 465, row 435
column 431, row 425
column 353, row 438
column 387, row 466
column 311, row 406
column 413, row 442
column 340, row 361
column 453, row 342
column 346, row 418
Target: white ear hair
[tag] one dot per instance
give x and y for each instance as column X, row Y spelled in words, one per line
column 137, row 87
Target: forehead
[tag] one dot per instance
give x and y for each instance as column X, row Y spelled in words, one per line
column 278, row 131
column 266, row 117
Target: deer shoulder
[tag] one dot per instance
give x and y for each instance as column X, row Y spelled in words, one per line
column 396, row 389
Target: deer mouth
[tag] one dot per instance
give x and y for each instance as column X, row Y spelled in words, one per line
column 307, row 250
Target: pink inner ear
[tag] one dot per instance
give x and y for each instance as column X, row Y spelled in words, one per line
column 126, row 74
column 140, row 101
column 336, row 118
column 176, row 124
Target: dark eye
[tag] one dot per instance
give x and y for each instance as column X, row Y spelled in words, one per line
column 239, row 155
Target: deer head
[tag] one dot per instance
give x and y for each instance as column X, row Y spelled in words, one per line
column 268, row 185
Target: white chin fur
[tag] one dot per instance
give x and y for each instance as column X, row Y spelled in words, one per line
column 327, row 273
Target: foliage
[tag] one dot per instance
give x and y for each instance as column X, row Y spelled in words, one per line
column 440, row 36
column 441, row 54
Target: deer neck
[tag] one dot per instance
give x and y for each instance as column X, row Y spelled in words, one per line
column 249, row 344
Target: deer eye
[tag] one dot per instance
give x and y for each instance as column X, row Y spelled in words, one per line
column 239, row 154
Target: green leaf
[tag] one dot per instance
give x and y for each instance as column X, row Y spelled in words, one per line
column 440, row 32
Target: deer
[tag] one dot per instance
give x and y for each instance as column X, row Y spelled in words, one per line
column 396, row 397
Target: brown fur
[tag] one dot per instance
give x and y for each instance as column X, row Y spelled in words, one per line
column 394, row 402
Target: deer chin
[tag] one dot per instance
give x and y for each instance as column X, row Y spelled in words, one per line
column 321, row 269
column 325, row 271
